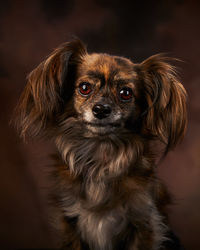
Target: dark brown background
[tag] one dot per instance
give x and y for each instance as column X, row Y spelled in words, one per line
column 29, row 30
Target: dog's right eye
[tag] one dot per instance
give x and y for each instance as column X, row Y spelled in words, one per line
column 85, row 88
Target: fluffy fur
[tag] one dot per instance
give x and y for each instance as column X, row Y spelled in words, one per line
column 104, row 112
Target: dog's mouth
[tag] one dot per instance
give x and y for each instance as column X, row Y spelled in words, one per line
column 102, row 128
column 116, row 125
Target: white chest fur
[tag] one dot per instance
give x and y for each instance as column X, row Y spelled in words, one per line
column 99, row 229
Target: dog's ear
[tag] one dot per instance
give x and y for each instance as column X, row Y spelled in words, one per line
column 43, row 95
column 165, row 115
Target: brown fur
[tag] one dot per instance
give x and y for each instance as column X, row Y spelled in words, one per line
column 106, row 187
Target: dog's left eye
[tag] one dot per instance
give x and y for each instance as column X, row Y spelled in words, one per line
column 85, row 88
column 126, row 94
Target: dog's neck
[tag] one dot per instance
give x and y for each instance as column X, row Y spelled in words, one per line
column 99, row 163
column 99, row 157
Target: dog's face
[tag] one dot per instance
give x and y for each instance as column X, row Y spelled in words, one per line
column 105, row 93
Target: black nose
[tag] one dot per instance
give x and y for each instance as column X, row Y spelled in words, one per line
column 101, row 111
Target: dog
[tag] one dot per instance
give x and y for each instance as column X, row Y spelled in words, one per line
column 105, row 114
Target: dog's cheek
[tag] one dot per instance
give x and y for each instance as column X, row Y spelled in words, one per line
column 127, row 109
column 81, row 108
column 78, row 102
column 131, row 114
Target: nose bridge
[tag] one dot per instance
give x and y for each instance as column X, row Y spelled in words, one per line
column 104, row 100
column 106, row 96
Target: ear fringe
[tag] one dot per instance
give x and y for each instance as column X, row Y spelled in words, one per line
column 41, row 99
column 166, row 116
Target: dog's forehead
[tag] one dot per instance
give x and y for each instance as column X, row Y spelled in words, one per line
column 117, row 67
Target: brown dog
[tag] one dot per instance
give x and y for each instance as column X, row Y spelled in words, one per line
column 104, row 112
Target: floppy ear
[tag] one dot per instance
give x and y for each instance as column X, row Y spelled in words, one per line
column 165, row 115
column 43, row 98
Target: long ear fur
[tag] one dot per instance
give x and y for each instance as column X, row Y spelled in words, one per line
column 165, row 116
column 42, row 97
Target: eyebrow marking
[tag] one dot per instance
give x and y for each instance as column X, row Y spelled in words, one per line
column 123, row 80
column 96, row 74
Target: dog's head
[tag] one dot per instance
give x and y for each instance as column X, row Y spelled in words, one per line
column 106, row 94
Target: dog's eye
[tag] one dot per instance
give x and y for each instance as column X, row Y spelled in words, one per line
column 126, row 94
column 85, row 88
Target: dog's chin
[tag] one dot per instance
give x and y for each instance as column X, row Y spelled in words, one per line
column 101, row 129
